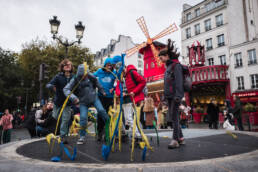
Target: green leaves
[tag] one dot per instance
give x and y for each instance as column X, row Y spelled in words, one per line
column 24, row 67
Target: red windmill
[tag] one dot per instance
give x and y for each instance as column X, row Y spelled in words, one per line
column 150, row 49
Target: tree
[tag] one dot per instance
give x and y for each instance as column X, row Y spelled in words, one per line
column 10, row 80
column 38, row 51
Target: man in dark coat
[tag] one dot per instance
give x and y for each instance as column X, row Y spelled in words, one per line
column 237, row 111
column 213, row 114
column 173, row 91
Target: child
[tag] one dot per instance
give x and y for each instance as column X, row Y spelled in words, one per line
column 6, row 122
column 87, row 97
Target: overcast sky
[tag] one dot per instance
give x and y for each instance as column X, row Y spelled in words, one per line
column 24, row 20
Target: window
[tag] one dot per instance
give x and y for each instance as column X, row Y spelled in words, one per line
column 140, row 72
column 188, row 16
column 254, row 81
column 221, row 41
column 188, row 33
column 197, row 29
column 210, row 6
column 251, row 57
column 240, row 83
column 152, row 65
column 197, row 12
column 210, row 61
column 208, row 44
column 219, row 20
column 139, row 56
column 238, row 60
column 222, row 59
column 207, row 24
column 146, row 66
column 139, row 63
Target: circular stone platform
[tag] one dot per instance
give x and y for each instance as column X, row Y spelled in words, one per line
column 216, row 150
column 196, row 149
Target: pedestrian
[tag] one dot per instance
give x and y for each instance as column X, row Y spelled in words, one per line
column 237, row 112
column 184, row 114
column 86, row 96
column 228, row 116
column 1, row 128
column 106, row 79
column 173, row 91
column 6, row 122
column 30, row 123
column 57, row 84
column 149, row 109
column 45, row 123
column 213, row 114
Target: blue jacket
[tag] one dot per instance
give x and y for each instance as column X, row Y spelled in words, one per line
column 106, row 80
column 59, row 81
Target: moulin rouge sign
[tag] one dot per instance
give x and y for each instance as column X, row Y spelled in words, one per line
column 246, row 94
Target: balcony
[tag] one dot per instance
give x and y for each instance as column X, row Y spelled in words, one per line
column 205, row 74
column 203, row 11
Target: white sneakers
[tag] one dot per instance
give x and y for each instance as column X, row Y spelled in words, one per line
column 81, row 140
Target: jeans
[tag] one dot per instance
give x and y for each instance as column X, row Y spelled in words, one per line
column 41, row 131
column 173, row 113
column 84, row 115
column 65, row 119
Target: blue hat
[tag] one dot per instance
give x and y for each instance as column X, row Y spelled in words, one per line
column 108, row 60
column 116, row 59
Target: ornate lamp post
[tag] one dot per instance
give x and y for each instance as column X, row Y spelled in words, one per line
column 54, row 23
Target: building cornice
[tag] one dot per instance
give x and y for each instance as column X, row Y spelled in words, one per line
column 244, row 43
column 206, row 14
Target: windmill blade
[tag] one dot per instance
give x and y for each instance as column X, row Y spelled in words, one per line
column 155, row 54
column 172, row 28
column 143, row 26
column 135, row 49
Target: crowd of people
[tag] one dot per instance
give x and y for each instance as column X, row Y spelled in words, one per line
column 99, row 89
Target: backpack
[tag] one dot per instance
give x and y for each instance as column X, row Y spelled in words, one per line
column 187, row 80
column 145, row 89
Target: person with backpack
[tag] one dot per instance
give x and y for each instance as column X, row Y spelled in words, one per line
column 57, row 84
column 133, row 86
column 173, row 91
column 106, row 80
column 6, row 122
column 85, row 85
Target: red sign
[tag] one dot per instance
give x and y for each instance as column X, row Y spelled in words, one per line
column 246, row 94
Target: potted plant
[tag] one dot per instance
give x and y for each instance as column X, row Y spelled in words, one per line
column 252, row 111
column 197, row 114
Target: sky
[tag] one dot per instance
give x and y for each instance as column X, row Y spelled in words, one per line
column 24, row 20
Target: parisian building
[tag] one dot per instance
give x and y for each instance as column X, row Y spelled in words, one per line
column 227, row 32
column 117, row 47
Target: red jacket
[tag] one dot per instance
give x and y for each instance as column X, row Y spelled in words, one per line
column 130, row 85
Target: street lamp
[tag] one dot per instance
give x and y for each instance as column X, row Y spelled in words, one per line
column 54, row 23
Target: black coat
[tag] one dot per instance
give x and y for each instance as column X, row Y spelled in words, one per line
column 173, row 81
column 237, row 111
column 213, row 112
column 59, row 81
